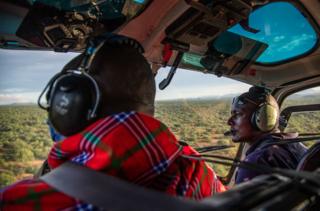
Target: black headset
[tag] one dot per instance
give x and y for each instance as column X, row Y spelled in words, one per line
column 73, row 96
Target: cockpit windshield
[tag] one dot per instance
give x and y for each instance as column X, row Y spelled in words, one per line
column 284, row 28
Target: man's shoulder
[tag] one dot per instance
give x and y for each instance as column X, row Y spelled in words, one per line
column 24, row 194
column 262, row 146
column 129, row 120
column 271, row 144
column 22, row 189
column 279, row 155
column 129, row 116
column 266, row 149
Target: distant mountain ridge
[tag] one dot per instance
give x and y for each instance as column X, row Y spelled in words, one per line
column 20, row 104
column 311, row 94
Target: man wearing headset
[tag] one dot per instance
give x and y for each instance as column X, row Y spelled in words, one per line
column 254, row 120
column 116, row 135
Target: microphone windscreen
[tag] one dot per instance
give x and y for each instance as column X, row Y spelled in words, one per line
column 227, row 133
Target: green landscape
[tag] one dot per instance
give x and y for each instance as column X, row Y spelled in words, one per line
column 25, row 140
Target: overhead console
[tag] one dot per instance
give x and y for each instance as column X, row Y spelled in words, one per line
column 228, row 54
column 206, row 20
column 201, row 33
column 199, row 39
column 63, row 25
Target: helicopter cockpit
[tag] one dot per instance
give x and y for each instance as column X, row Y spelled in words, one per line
column 266, row 43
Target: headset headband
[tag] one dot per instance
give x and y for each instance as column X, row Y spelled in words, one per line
column 255, row 95
column 241, row 100
column 93, row 47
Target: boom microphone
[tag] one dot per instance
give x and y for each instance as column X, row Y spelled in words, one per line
column 227, row 133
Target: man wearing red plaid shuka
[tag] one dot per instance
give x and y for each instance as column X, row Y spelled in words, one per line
column 126, row 141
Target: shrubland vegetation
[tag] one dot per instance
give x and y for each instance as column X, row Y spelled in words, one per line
column 199, row 123
column 25, row 140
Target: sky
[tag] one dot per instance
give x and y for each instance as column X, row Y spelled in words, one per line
column 23, row 75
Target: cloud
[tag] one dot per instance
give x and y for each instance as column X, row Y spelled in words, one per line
column 297, row 43
column 13, row 90
column 310, row 91
column 200, row 91
column 279, row 38
column 23, row 97
column 29, row 71
column 283, row 47
column 22, row 57
column 267, row 29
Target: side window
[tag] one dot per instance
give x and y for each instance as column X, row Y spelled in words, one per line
column 197, row 113
column 24, row 136
column 302, row 113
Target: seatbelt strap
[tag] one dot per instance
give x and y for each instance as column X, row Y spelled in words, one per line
column 111, row 193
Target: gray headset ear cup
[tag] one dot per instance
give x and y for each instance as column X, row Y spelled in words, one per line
column 265, row 118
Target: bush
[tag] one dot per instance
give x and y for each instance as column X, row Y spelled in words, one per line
column 6, row 178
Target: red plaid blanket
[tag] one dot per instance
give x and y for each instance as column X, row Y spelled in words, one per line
column 131, row 146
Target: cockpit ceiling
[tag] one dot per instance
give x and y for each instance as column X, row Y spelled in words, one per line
column 63, row 25
column 201, row 30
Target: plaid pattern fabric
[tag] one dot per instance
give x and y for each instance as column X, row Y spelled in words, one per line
column 130, row 146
